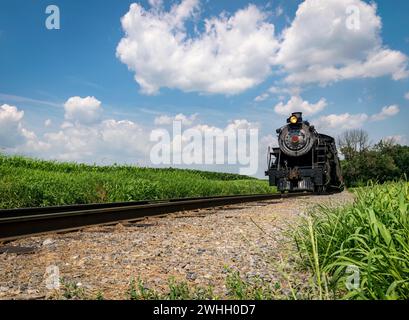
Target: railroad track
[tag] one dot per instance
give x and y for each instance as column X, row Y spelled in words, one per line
column 18, row 223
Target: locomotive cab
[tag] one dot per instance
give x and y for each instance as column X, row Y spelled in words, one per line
column 305, row 160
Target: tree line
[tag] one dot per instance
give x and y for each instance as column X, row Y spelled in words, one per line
column 363, row 161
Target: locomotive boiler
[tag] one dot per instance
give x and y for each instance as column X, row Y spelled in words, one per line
column 305, row 159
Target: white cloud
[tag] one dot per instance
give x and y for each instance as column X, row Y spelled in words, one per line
column 10, row 114
column 107, row 140
column 186, row 120
column 262, row 97
column 82, row 110
column 163, row 120
column 232, row 126
column 66, row 124
column 167, row 120
column 319, row 48
column 124, row 134
column 388, row 111
column 75, row 141
column 47, row 123
column 268, row 141
column 11, row 131
column 352, row 121
column 296, row 103
column 279, row 92
column 237, row 52
column 279, row 11
column 341, row 121
column 155, row 3
column 283, row 90
column 13, row 134
column 241, row 124
column 398, row 139
column 232, row 54
column 407, row 96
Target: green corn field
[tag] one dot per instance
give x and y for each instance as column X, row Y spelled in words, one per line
column 26, row 182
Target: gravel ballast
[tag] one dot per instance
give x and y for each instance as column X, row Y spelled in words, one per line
column 192, row 246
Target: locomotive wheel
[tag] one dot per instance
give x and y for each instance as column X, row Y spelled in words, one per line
column 320, row 189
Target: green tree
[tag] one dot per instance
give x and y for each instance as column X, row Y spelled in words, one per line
column 400, row 154
column 353, row 142
column 362, row 162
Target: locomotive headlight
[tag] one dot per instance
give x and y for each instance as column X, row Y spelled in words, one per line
column 293, row 119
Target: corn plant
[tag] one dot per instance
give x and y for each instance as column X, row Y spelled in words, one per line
column 371, row 236
column 26, row 182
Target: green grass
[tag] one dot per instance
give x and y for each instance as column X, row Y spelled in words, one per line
column 71, row 291
column 237, row 289
column 177, row 290
column 26, row 182
column 369, row 238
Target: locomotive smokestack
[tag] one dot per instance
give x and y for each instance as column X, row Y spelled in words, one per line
column 296, row 117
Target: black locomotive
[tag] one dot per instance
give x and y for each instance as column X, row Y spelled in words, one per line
column 305, row 159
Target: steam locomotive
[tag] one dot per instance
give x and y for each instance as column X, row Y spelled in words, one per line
column 305, row 159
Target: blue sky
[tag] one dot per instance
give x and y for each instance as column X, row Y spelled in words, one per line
column 41, row 69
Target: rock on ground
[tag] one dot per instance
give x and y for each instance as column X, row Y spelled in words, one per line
column 194, row 246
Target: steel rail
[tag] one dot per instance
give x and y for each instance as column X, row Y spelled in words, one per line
column 18, row 223
column 18, row 212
